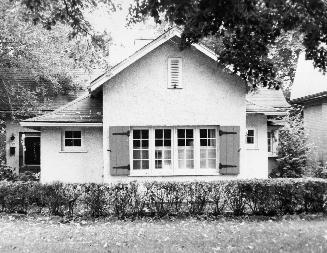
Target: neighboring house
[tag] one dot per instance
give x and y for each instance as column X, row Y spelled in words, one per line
column 161, row 114
column 310, row 90
column 22, row 145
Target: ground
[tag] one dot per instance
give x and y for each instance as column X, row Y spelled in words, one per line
column 44, row 234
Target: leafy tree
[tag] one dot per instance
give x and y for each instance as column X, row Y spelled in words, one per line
column 246, row 30
column 294, row 149
column 46, row 57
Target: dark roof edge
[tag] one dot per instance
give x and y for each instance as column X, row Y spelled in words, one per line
column 309, row 98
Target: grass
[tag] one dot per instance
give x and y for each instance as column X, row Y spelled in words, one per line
column 44, row 234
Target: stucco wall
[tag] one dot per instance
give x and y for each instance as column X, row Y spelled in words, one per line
column 13, row 128
column 85, row 166
column 257, row 155
column 138, row 96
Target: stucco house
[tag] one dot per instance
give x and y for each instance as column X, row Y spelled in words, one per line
column 162, row 114
column 310, row 90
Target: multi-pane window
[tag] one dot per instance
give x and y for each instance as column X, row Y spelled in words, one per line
column 185, row 144
column 174, row 150
column 73, row 138
column 250, row 136
column 162, row 148
column 208, row 148
column 140, row 149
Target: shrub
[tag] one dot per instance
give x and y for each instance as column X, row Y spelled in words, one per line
column 95, row 198
column 239, row 197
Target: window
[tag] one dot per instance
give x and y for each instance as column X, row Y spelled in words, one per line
column 272, row 141
column 185, row 143
column 250, row 136
column 208, row 149
column 174, row 73
column 73, row 138
column 140, row 149
column 174, row 150
column 163, row 148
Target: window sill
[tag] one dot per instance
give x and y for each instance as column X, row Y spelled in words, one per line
column 213, row 172
column 252, row 148
column 272, row 155
column 73, row 151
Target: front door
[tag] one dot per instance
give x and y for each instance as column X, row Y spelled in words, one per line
column 31, row 152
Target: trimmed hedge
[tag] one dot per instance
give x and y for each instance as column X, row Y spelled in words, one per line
column 237, row 197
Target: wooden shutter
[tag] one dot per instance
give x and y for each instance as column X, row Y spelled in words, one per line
column 229, row 150
column 174, row 73
column 119, row 150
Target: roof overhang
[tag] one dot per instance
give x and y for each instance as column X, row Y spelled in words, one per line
column 59, row 124
column 267, row 113
column 142, row 52
column 310, row 98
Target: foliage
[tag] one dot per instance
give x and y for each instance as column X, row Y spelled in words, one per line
column 38, row 64
column 237, row 197
column 294, row 150
column 7, row 173
column 245, row 30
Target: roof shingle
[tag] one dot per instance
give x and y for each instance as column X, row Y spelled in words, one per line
column 86, row 109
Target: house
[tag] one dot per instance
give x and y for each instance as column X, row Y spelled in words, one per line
column 20, row 146
column 310, row 90
column 161, row 114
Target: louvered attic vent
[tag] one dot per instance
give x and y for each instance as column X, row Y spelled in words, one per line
column 175, row 73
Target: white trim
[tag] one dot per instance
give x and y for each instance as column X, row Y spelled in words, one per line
column 72, row 149
column 41, row 124
column 253, row 145
column 174, row 170
column 142, row 52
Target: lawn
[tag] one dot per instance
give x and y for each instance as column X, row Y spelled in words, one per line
column 44, row 234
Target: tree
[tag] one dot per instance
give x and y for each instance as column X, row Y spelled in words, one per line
column 245, row 30
column 294, row 150
column 47, row 57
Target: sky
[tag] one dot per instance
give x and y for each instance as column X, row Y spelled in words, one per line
column 125, row 40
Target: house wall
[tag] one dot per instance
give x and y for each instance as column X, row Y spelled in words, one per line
column 13, row 128
column 78, row 167
column 138, row 96
column 257, row 155
column 315, row 125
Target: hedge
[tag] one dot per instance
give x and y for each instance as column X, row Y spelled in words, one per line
column 235, row 197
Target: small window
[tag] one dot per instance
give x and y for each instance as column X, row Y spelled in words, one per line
column 73, row 138
column 140, row 149
column 250, row 137
column 174, row 73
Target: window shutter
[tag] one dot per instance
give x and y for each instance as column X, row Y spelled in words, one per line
column 174, row 73
column 119, row 150
column 229, row 150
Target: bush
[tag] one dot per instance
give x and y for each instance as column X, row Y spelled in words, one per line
column 237, row 197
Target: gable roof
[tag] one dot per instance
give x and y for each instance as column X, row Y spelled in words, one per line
column 85, row 109
column 99, row 81
column 309, row 82
column 267, row 101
